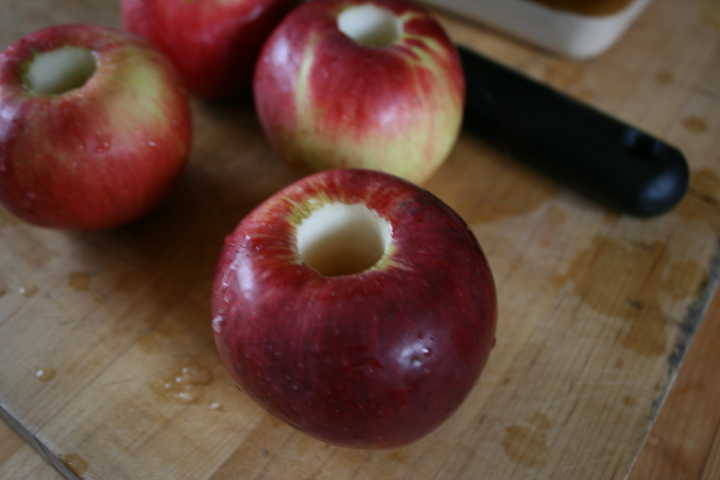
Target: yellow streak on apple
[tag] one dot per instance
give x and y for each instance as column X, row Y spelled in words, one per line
column 141, row 80
column 375, row 148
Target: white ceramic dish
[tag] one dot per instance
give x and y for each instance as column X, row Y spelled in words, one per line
column 573, row 34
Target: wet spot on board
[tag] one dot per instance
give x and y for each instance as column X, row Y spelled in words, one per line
column 79, row 281
column 29, row 291
column 540, row 420
column 527, row 443
column 664, row 77
column 680, row 277
column 694, row 387
column 398, row 456
column 626, row 280
column 695, row 124
column 586, row 94
column 45, row 374
column 702, row 202
column 711, row 13
column 629, row 401
column 75, row 463
column 185, row 384
column 564, row 74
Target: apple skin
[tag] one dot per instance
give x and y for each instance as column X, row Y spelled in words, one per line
column 100, row 155
column 327, row 102
column 375, row 359
column 213, row 43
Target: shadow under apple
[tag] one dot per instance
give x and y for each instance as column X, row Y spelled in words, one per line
column 173, row 250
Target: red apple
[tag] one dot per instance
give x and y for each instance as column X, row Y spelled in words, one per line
column 214, row 43
column 356, row 306
column 361, row 83
column 94, row 127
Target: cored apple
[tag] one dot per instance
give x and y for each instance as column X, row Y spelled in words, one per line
column 356, row 306
column 94, row 127
column 214, row 43
column 361, row 83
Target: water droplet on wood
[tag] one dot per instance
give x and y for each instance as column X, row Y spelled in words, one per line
column 75, row 463
column 45, row 374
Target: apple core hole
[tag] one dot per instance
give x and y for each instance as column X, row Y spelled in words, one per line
column 342, row 239
column 58, row 71
column 369, row 25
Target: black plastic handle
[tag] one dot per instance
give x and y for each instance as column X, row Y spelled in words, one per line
column 602, row 157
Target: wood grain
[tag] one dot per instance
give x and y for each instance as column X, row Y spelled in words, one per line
column 596, row 309
column 685, row 441
column 11, row 445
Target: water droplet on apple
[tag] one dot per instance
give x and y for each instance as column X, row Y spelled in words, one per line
column 151, row 144
column 102, row 147
column 217, row 324
column 416, row 363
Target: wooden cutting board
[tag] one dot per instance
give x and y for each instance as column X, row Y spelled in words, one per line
column 596, row 309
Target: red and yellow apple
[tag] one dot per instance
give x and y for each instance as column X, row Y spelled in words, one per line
column 361, row 83
column 94, row 127
column 213, row 43
column 356, row 306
